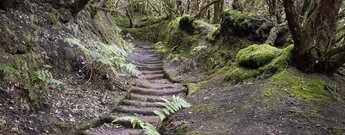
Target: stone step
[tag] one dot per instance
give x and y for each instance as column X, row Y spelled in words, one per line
column 141, row 103
column 150, row 67
column 147, row 64
column 152, row 76
column 145, row 50
column 152, row 72
column 145, row 47
column 161, row 81
column 148, row 98
column 157, row 92
column 148, row 84
column 114, row 132
column 153, row 120
column 138, row 110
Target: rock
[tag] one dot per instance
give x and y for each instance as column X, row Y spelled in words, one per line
column 256, row 56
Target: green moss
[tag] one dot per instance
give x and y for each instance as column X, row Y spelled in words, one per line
column 211, row 36
column 299, row 85
column 149, row 33
column 161, row 47
column 256, row 56
column 193, row 88
column 338, row 131
column 81, row 126
column 235, row 74
column 268, row 95
column 239, row 18
column 245, row 107
column 182, row 130
column 2, row 122
column 210, row 107
column 279, row 60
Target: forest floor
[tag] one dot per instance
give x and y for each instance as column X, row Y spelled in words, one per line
column 79, row 102
column 223, row 109
column 218, row 108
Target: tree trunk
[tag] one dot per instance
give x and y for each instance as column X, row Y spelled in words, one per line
column 236, row 5
column 5, row 4
column 77, row 6
column 218, row 10
column 314, row 35
column 203, row 9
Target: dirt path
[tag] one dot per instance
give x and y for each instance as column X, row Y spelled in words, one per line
column 148, row 89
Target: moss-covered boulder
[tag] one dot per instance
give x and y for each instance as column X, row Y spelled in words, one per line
column 245, row 24
column 256, row 56
column 277, row 62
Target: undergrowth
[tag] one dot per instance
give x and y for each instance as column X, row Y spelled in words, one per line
column 170, row 107
column 109, row 55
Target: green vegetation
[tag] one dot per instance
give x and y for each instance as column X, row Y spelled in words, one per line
column 148, row 128
column 239, row 19
column 203, row 108
column 2, row 122
column 182, row 130
column 303, row 87
column 171, row 107
column 276, row 60
column 109, row 55
column 256, row 56
column 193, row 88
column 161, row 48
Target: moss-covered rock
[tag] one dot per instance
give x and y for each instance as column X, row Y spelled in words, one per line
column 256, row 56
column 301, row 86
column 237, row 73
column 245, row 24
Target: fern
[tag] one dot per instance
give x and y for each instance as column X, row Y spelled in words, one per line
column 132, row 69
column 171, row 107
column 7, row 70
column 45, row 77
column 32, row 94
column 147, row 127
column 198, row 48
column 111, row 55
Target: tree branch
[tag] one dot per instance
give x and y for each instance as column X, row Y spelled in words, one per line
column 204, row 8
column 335, row 51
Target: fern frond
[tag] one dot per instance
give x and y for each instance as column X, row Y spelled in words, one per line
column 6, row 69
column 45, row 77
column 160, row 114
column 171, row 107
column 147, row 127
column 134, row 120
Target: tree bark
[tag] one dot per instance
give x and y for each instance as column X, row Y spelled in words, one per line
column 5, row 4
column 218, row 10
column 236, row 5
column 204, row 9
column 77, row 6
column 314, row 34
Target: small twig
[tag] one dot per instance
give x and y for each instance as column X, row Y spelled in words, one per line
column 90, row 75
column 104, row 97
column 332, row 91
